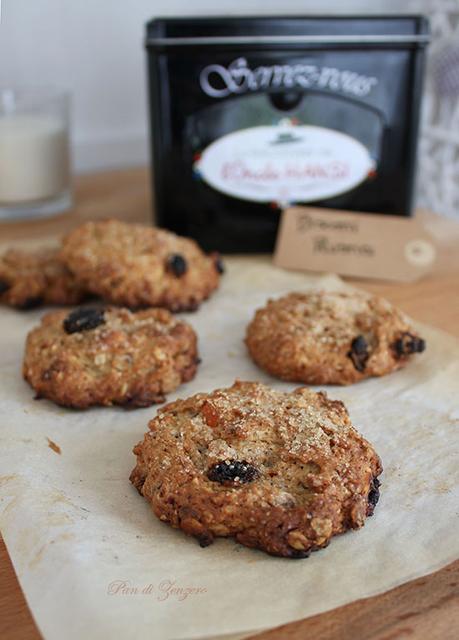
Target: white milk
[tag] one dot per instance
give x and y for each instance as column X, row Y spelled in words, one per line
column 34, row 162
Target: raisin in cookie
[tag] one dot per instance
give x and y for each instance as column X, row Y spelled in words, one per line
column 96, row 356
column 282, row 472
column 138, row 266
column 31, row 278
column 331, row 337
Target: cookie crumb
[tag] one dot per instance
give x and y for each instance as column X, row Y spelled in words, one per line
column 55, row 447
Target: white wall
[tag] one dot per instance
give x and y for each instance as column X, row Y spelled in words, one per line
column 95, row 48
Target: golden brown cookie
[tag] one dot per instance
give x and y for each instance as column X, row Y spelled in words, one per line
column 32, row 278
column 282, row 472
column 138, row 266
column 96, row 356
column 331, row 337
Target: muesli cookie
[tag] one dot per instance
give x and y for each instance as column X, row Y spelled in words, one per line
column 139, row 266
column 282, row 472
column 97, row 356
column 331, row 337
column 29, row 279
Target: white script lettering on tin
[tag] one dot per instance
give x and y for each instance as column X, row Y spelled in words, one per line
column 219, row 82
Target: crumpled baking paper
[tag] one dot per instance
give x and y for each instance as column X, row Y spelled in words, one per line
column 93, row 560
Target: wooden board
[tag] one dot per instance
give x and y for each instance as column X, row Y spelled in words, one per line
column 424, row 609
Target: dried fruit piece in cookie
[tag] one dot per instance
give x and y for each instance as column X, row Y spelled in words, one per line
column 232, row 472
column 407, row 343
column 109, row 356
column 359, row 353
column 84, row 319
column 331, row 337
column 373, row 496
column 139, row 266
column 219, row 265
column 31, row 278
column 177, row 264
column 282, row 472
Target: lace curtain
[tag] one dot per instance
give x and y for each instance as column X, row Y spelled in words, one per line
column 438, row 177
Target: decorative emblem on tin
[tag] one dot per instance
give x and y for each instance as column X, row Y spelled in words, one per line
column 284, row 163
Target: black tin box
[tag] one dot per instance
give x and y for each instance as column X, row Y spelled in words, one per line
column 249, row 115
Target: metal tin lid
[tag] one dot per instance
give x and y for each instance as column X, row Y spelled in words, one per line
column 288, row 31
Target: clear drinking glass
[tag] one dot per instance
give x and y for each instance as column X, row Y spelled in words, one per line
column 34, row 153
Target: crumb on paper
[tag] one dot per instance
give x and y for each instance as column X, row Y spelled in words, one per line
column 55, row 447
column 5, row 479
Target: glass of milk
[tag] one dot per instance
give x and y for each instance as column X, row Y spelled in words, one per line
column 34, row 153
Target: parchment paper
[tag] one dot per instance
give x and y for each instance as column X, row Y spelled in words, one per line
column 93, row 560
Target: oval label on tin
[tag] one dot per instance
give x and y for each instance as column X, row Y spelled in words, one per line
column 283, row 164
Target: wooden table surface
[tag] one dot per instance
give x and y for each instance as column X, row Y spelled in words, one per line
column 427, row 608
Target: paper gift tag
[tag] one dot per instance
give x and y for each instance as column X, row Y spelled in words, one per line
column 354, row 244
